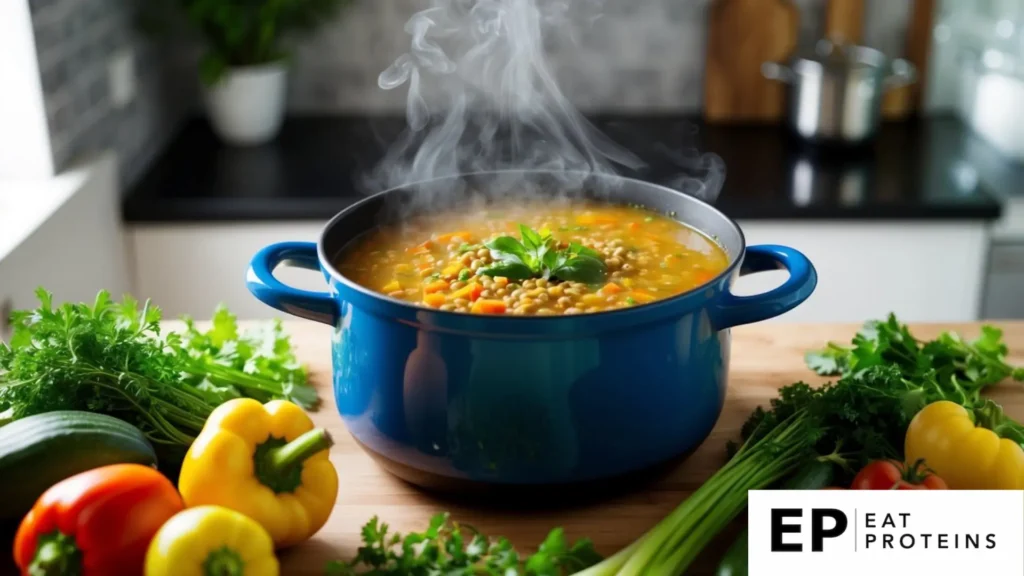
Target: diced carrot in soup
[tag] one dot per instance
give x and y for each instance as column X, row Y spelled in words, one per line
column 643, row 258
column 421, row 248
column 484, row 306
column 434, row 300
column 469, row 292
column 436, row 286
column 642, row 296
column 464, row 236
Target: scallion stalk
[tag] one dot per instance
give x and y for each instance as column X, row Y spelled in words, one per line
column 674, row 543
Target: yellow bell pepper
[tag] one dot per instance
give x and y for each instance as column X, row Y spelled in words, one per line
column 955, row 444
column 211, row 540
column 266, row 461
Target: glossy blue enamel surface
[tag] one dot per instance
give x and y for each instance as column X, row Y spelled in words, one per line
column 530, row 400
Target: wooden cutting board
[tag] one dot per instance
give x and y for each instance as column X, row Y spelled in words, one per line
column 844, row 21
column 764, row 357
column 904, row 101
column 743, row 34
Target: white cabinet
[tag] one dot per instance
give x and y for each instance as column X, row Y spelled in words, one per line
column 920, row 271
column 63, row 234
column 924, row 272
column 189, row 269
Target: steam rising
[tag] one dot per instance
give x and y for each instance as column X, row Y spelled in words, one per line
column 482, row 97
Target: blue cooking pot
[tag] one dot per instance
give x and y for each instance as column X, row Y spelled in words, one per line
column 442, row 396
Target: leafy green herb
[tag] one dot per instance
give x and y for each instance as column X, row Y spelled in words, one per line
column 630, row 301
column 465, row 274
column 447, row 547
column 887, row 376
column 949, row 360
column 258, row 363
column 538, row 256
column 111, row 357
column 464, row 247
column 432, row 277
column 649, row 219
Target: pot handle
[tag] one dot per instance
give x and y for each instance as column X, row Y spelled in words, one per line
column 732, row 310
column 902, row 73
column 776, row 71
column 260, row 280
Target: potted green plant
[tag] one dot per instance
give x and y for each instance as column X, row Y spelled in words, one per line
column 245, row 63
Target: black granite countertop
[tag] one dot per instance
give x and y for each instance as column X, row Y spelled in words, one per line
column 916, row 170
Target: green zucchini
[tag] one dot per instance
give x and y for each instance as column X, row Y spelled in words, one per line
column 38, row 451
column 814, row 476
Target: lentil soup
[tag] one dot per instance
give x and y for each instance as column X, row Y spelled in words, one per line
column 534, row 259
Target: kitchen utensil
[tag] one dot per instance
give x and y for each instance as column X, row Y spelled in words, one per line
column 440, row 397
column 835, row 96
column 741, row 35
column 992, row 87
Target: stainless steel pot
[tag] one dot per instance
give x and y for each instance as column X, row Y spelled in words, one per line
column 836, row 95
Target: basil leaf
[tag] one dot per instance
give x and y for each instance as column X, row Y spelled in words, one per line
column 584, row 269
column 543, row 252
column 553, row 259
column 510, row 270
column 508, row 249
column 531, row 239
column 579, row 249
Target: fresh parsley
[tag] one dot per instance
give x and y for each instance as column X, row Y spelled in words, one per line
column 447, row 547
column 111, row 357
column 537, row 255
column 885, row 377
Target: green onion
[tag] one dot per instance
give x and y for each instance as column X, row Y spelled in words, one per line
column 674, row 543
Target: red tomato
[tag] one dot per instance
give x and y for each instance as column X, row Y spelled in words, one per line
column 891, row 475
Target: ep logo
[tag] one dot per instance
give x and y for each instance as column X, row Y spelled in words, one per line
column 823, row 523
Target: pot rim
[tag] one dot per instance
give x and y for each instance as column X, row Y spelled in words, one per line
column 328, row 265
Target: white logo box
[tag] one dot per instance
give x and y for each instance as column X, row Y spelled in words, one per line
column 933, row 532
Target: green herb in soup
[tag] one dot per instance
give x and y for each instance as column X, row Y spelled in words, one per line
column 535, row 259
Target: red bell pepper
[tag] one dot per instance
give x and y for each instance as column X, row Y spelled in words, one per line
column 99, row 522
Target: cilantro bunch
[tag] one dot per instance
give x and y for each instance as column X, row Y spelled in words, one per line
column 447, row 547
column 538, row 256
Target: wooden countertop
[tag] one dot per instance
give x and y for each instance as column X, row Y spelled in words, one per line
column 764, row 358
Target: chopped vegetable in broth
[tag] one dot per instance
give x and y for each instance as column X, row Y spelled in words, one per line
column 534, row 259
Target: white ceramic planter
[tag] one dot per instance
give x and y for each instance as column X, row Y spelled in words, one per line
column 246, row 106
